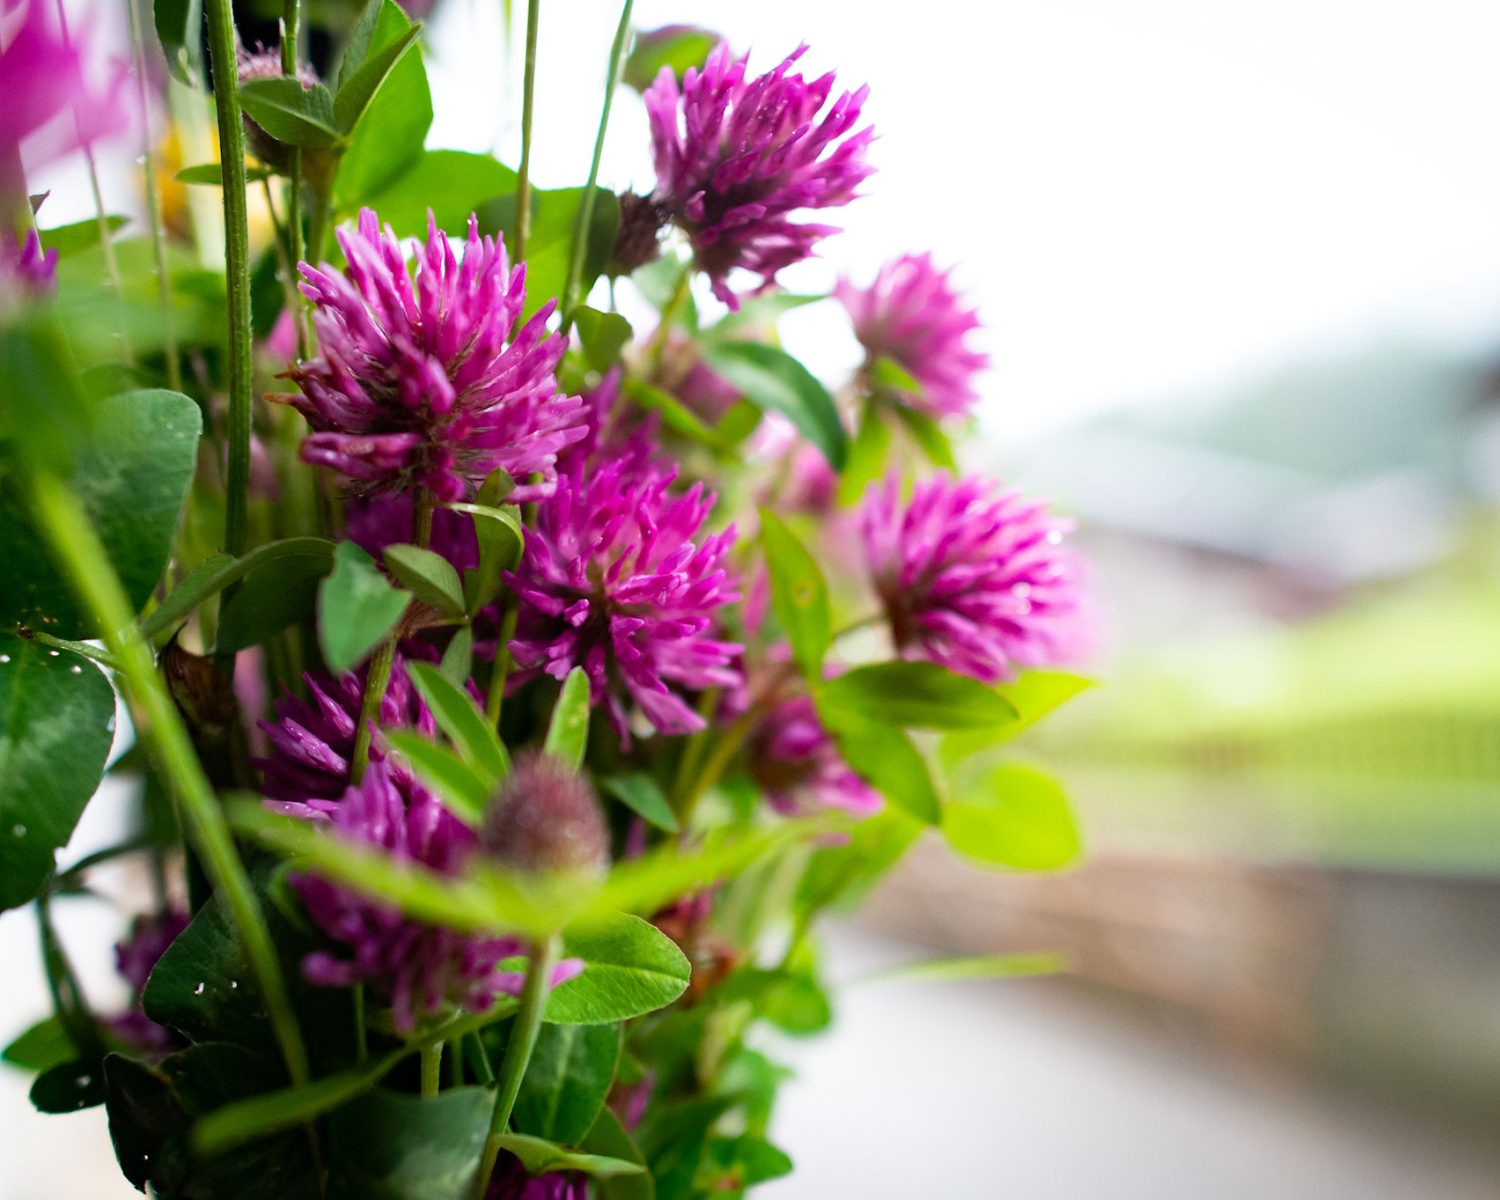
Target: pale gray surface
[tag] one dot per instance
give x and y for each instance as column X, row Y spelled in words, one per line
column 1012, row 1090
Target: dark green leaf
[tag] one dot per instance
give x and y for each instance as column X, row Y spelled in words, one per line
column 774, row 380
column 218, row 571
column 888, row 760
column 608, row 1138
column 630, row 968
column 391, row 1146
column 69, row 1087
column 460, row 718
column 452, row 183
column 603, row 335
column 212, row 174
column 357, row 48
column 538, row 1156
column 357, row 609
column 291, row 113
column 1015, row 817
column 567, row 1080
column 458, row 657
column 44, row 1045
column 428, row 576
column 57, row 719
column 44, row 413
column 643, row 796
column 391, row 132
column 80, row 235
column 799, row 594
column 457, row 784
column 568, row 731
column 361, row 86
column 179, row 25
column 917, row 694
column 676, row 48
column 278, row 591
column 744, row 1161
column 132, row 476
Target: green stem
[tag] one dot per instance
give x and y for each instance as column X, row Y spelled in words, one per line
column 153, row 203
column 501, row 670
column 221, row 48
column 528, row 104
column 586, row 208
column 76, row 549
column 68, row 1001
column 669, row 314
column 523, row 1034
column 291, row 21
column 376, row 683
column 361, row 1028
column 432, row 1068
column 102, row 657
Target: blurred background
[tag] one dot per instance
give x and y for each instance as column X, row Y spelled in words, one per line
column 1239, row 266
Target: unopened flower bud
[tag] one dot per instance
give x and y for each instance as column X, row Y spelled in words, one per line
column 546, row 818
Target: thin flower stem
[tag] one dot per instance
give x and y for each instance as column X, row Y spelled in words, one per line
column 523, row 1034
column 102, row 657
column 361, row 1029
column 78, row 552
column 291, row 21
column 111, row 263
column 679, row 297
column 221, row 48
column 432, row 1068
column 153, row 203
column 586, row 208
column 528, row 105
column 376, row 683
column 495, row 699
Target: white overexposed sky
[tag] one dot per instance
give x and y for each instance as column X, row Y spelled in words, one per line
column 1145, row 197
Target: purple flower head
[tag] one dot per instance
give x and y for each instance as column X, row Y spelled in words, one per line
column 973, row 577
column 735, row 159
column 54, row 101
column 912, row 315
column 416, row 968
column 512, row 1182
column 794, row 759
column 312, row 741
column 416, row 383
column 150, row 935
column 612, row 581
column 26, row 271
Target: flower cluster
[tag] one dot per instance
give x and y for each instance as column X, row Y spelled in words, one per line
column 419, row 383
column 737, row 158
column 555, row 738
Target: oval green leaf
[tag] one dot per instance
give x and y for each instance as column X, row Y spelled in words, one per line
column 1016, row 817
column 772, row 379
column 630, row 968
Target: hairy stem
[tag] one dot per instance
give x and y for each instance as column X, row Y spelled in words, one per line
column 528, row 105
column 221, row 49
column 432, row 1068
column 76, row 549
column 586, row 209
column 523, row 1034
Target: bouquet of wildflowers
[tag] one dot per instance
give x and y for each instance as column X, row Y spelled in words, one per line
column 512, row 688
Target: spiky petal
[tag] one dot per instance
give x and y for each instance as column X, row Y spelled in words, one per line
column 612, row 581
column 418, row 382
column 973, row 577
column 736, row 159
column 913, row 315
